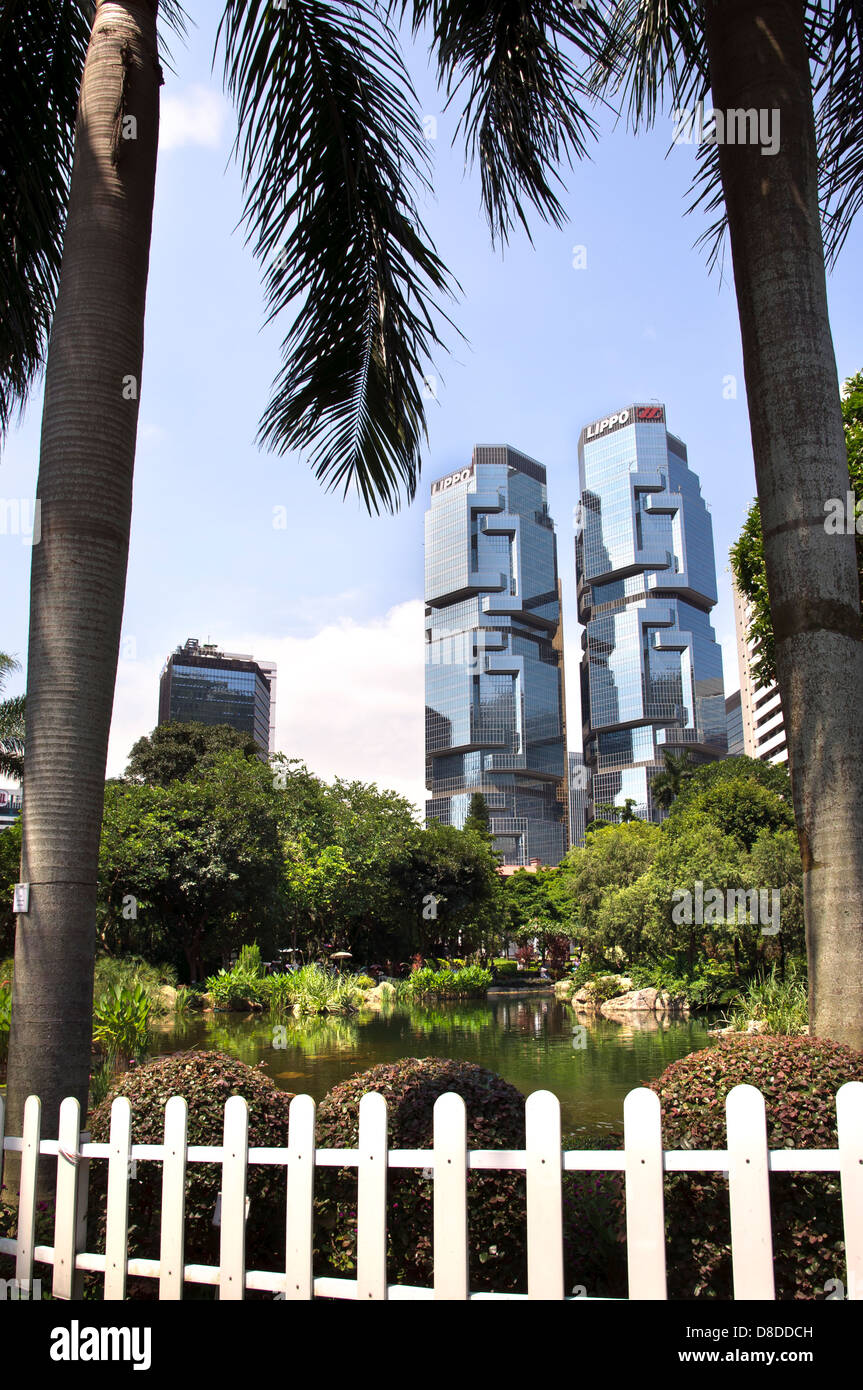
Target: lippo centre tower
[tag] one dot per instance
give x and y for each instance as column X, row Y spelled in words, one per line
column 493, row 676
column 651, row 668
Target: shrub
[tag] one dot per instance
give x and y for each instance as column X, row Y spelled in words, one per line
column 463, row 983
column 206, row 1079
column 236, row 986
column 497, row 1231
column 783, row 1004
column 129, row 971
column 496, row 1203
column 712, row 984
column 799, row 1078
column 604, row 987
column 505, row 968
column 364, row 982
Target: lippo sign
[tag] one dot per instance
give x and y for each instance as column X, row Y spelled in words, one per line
column 636, row 414
column 444, row 484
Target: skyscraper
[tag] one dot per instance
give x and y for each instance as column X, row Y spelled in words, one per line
column 494, row 706
column 200, row 684
column 760, row 706
column 651, row 671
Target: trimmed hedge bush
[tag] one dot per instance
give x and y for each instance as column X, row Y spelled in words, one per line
column 206, row 1079
column 799, row 1078
column 496, row 1200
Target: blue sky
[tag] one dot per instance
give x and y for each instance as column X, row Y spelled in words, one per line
column 335, row 597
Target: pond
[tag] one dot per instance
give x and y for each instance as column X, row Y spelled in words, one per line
column 531, row 1041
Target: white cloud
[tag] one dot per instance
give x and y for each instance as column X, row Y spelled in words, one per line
column 193, row 117
column 350, row 699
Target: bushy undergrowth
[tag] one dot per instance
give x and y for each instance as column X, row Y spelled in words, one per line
column 207, row 1080
column 466, row 982
column 799, row 1078
column 781, row 1004
column 709, row 986
column 121, row 1022
column 594, row 1254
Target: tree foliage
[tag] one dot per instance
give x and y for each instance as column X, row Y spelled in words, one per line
column 747, row 553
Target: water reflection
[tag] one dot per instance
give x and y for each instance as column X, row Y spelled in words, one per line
column 531, row 1042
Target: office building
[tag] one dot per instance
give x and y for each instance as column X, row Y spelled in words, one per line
column 651, row 671
column 200, row 684
column 734, row 725
column 761, row 707
column 579, row 798
column 494, row 701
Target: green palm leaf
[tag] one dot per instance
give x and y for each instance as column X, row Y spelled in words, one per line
column 524, row 95
column 331, row 149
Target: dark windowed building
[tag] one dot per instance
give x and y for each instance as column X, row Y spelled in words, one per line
column 200, row 684
column 651, row 671
column 493, row 676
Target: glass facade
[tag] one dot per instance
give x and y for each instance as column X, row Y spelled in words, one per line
column 651, row 671
column 204, row 686
column 493, row 677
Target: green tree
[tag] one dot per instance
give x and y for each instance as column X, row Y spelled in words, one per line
column 478, row 818
column 747, row 553
column 666, row 785
column 451, row 893
column 195, row 869
column 175, row 752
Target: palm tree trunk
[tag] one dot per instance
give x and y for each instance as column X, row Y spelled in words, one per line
column 758, row 60
column 78, row 576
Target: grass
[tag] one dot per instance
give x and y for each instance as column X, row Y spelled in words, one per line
column 781, row 1004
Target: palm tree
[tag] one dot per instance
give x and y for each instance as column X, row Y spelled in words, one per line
column 11, row 725
column 760, row 55
column 330, row 148
column 665, row 786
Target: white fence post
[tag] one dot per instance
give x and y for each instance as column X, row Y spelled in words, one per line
column 117, row 1230
column 26, row 1238
column 749, row 1194
column 235, row 1163
column 849, row 1116
column 544, row 1170
column 372, row 1198
column 299, row 1243
column 450, row 1198
column 645, row 1196
column 68, row 1191
column 172, row 1246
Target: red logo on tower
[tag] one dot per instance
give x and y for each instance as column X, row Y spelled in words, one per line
column 651, row 412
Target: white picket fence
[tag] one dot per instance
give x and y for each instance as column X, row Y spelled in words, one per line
column 747, row 1162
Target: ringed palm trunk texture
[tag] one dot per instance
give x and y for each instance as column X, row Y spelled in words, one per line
column 758, row 60
column 78, row 575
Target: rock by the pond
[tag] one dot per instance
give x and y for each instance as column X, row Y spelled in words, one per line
column 647, row 1000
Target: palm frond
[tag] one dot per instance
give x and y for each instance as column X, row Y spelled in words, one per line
column 12, row 737
column 524, row 107
column 331, row 149
column 836, row 45
column 42, row 50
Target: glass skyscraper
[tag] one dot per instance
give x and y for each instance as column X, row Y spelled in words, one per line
column 651, row 670
column 493, row 676
column 200, row 684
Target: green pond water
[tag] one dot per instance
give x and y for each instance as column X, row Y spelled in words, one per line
column 529, row 1041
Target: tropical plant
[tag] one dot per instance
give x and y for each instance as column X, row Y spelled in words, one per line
column 11, row 724
column 779, row 1005
column 471, row 981
column 799, row 60
column 666, row 785
column 121, row 1022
